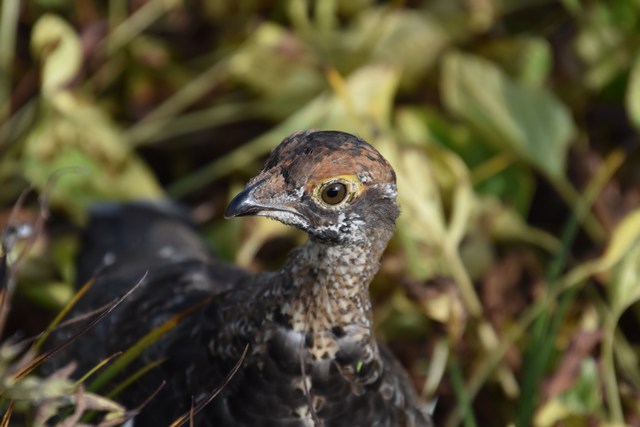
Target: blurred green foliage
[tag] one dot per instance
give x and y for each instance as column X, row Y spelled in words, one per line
column 512, row 126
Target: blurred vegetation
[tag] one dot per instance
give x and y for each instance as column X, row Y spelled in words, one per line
column 511, row 289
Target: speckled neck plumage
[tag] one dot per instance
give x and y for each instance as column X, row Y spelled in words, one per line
column 331, row 306
column 319, row 302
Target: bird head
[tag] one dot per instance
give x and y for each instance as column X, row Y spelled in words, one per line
column 332, row 185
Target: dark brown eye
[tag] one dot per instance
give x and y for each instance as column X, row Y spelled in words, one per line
column 334, row 193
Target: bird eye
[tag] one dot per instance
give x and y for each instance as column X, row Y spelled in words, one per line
column 334, row 193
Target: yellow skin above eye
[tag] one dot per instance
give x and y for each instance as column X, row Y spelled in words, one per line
column 351, row 183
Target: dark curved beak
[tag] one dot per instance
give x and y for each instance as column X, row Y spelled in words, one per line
column 245, row 204
column 252, row 202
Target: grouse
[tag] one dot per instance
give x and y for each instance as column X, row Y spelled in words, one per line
column 305, row 331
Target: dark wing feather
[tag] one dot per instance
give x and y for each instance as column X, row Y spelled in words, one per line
column 155, row 241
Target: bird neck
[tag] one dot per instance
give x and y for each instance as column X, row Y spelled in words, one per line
column 325, row 276
column 327, row 302
column 316, row 308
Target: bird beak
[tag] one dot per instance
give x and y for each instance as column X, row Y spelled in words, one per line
column 253, row 202
column 245, row 203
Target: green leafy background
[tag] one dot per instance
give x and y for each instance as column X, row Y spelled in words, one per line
column 510, row 290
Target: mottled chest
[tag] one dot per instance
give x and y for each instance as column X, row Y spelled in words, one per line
column 331, row 309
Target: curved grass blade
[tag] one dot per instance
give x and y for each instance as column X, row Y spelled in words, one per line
column 7, row 415
column 65, row 310
column 133, row 377
column 203, row 403
column 97, row 367
column 135, row 350
column 38, row 360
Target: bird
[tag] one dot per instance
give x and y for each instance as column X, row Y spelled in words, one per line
column 299, row 340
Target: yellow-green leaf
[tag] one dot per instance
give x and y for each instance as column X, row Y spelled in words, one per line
column 57, row 46
column 531, row 123
column 633, row 93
